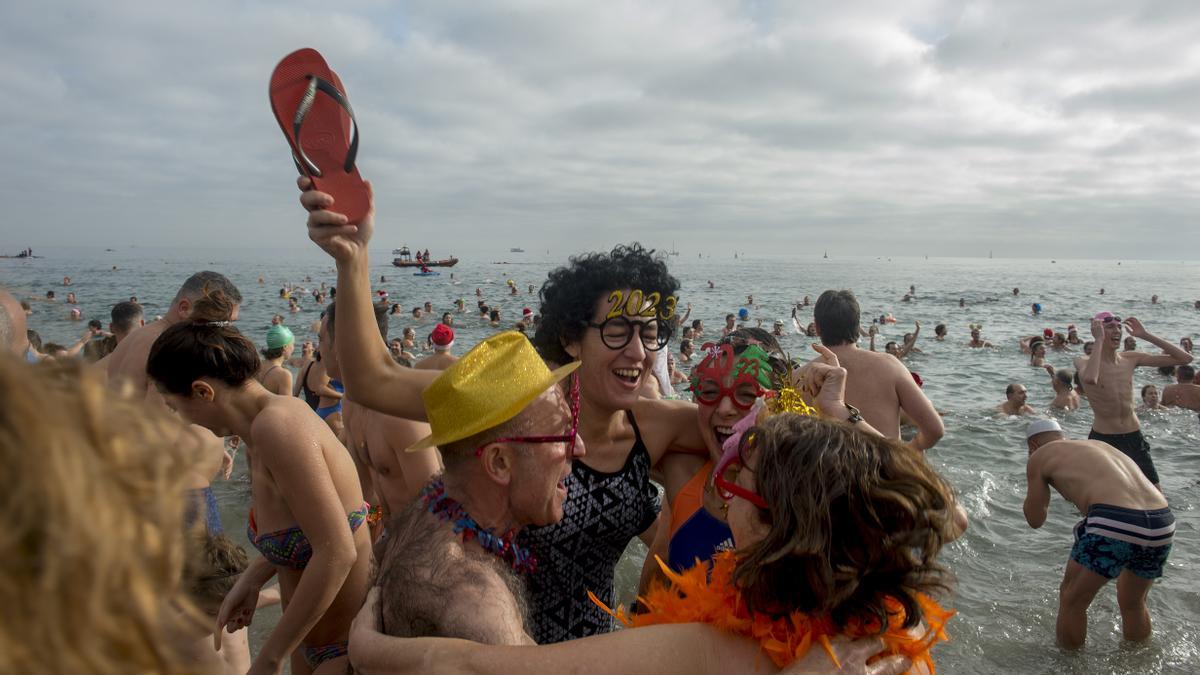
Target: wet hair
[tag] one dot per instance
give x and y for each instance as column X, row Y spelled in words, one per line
column 1146, row 387
column 381, row 319
column 890, row 346
column 571, row 292
column 730, row 317
column 685, row 344
column 837, row 315
column 205, row 283
column 1012, row 387
column 125, row 315
column 35, row 339
column 495, row 315
column 939, row 329
column 213, row 565
column 95, row 323
column 1064, row 376
column 92, row 552
column 1166, row 371
column 856, row 522
column 52, row 348
column 206, row 345
column 1185, row 372
column 697, row 323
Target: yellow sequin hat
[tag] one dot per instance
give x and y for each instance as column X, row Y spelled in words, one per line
column 488, row 386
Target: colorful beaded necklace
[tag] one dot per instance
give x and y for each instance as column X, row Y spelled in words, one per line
column 437, row 502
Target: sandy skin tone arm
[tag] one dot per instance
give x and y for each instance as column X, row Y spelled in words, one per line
column 367, row 367
column 694, row 649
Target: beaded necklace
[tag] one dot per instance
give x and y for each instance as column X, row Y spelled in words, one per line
column 437, row 502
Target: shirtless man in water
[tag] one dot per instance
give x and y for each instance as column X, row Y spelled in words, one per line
column 1107, row 377
column 1015, row 396
column 389, row 476
column 442, row 341
column 1185, row 393
column 1062, row 381
column 877, row 384
column 1125, row 535
column 449, row 565
column 128, row 361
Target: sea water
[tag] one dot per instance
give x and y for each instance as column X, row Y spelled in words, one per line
column 1006, row 574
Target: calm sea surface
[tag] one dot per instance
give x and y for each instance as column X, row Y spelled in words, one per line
column 1007, row 574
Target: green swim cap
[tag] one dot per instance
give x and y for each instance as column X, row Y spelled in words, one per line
column 279, row 336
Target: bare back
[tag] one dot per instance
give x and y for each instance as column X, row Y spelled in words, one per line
column 1111, row 397
column 432, row 585
column 871, row 386
column 1182, row 396
column 436, row 361
column 1089, row 472
column 127, row 363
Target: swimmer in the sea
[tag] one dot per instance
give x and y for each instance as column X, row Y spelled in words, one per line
column 1150, row 399
column 977, row 341
column 1062, row 381
column 1015, row 402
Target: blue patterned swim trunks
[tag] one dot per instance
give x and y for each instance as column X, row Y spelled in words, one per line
column 1112, row 539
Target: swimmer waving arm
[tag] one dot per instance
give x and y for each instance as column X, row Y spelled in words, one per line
column 1172, row 354
column 368, row 371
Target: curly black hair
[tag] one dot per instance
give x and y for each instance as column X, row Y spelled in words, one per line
column 568, row 298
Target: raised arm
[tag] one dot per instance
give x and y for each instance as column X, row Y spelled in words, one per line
column 1172, row 355
column 1037, row 497
column 368, row 370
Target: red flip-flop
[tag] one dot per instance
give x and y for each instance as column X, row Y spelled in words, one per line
column 310, row 105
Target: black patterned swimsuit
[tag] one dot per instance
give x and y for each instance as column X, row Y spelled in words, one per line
column 602, row 513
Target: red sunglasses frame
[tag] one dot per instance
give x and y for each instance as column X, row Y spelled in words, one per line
column 726, row 490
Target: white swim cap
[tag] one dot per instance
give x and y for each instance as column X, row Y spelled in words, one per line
column 1041, row 427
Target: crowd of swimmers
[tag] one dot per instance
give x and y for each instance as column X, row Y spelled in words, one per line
column 489, row 496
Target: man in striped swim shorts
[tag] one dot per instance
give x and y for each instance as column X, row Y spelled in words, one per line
column 1125, row 535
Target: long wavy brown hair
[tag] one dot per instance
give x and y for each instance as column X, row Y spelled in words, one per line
column 93, row 542
column 854, row 519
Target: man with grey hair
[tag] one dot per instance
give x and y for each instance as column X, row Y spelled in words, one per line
column 127, row 363
column 1126, row 532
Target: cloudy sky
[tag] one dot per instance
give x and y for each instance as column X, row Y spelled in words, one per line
column 1064, row 129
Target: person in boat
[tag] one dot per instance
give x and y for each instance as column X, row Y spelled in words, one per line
column 806, row 568
column 306, row 505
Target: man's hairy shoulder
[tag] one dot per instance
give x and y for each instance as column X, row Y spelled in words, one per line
column 430, row 586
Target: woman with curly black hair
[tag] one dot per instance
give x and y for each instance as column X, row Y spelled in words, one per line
column 612, row 312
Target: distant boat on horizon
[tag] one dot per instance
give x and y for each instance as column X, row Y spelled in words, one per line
column 516, row 249
column 672, row 251
column 827, row 255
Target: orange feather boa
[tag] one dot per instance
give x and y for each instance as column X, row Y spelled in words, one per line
column 694, row 597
